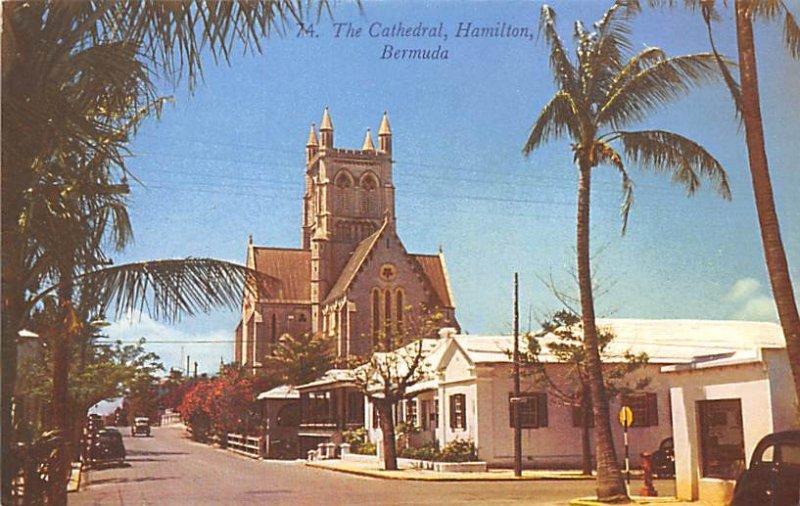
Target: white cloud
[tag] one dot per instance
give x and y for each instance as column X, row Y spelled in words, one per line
column 205, row 347
column 750, row 302
column 758, row 308
column 743, row 289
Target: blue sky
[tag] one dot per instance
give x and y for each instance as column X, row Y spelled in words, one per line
column 228, row 161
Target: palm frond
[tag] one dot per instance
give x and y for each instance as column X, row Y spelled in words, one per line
column 557, row 117
column 167, row 289
column 709, row 13
column 564, row 73
column 605, row 154
column 667, row 152
column 791, row 34
column 656, row 86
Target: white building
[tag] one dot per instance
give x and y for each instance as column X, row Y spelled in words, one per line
column 717, row 387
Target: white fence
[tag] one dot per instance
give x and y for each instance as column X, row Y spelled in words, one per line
column 247, row 445
column 170, row 419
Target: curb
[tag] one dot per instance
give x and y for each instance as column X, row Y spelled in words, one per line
column 382, row 476
column 635, row 499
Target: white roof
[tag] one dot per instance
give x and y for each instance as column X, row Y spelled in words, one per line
column 664, row 341
column 331, row 376
column 281, row 392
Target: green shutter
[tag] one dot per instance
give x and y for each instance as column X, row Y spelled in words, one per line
column 542, row 411
column 652, row 409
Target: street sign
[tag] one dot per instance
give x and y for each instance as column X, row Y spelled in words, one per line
column 625, row 416
column 626, row 419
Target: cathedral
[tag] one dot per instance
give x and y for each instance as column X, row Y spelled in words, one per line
column 351, row 279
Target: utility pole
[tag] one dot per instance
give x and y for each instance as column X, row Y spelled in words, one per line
column 516, row 398
column 187, row 366
column 195, row 369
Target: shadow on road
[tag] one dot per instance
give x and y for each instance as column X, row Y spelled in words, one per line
column 131, row 480
column 136, row 453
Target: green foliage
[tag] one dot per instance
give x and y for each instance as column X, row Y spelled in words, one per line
column 562, row 337
column 607, row 88
column 458, row 450
column 357, row 438
column 428, row 451
column 299, row 360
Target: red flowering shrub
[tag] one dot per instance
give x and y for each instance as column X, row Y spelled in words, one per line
column 221, row 405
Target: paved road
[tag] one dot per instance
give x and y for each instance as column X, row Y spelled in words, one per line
column 169, row 469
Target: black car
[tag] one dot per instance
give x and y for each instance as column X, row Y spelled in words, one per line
column 773, row 478
column 106, row 447
column 663, row 459
column 141, row 425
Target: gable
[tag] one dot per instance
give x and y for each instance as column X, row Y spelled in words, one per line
column 428, row 269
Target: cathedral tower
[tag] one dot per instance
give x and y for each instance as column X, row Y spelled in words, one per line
column 349, row 193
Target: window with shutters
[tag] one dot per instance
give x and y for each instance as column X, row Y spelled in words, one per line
column 644, row 407
column 458, row 411
column 532, row 410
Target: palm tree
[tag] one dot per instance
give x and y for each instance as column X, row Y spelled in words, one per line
column 76, row 83
column 774, row 253
column 604, row 90
column 746, row 99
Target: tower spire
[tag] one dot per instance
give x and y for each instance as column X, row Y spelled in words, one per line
column 368, row 145
column 312, row 137
column 385, row 135
column 326, row 129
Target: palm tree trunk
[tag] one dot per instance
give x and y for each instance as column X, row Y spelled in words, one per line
column 610, row 486
column 387, row 428
column 774, row 253
column 61, row 363
column 586, row 443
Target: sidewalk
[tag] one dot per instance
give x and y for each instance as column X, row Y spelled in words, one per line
column 371, row 469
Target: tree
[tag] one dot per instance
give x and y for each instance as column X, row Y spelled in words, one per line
column 602, row 92
column 561, row 337
column 397, row 363
column 75, row 83
column 296, row 361
column 746, row 98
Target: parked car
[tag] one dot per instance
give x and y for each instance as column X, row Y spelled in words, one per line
column 663, row 459
column 141, row 425
column 773, row 477
column 107, row 447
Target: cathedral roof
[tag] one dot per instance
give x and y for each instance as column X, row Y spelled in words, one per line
column 290, row 273
column 434, row 268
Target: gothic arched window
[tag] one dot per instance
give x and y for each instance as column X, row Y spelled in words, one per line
column 387, row 312
column 343, row 182
column 376, row 315
column 399, row 314
column 369, row 198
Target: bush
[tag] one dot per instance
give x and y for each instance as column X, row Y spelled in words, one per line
column 458, row 450
column 357, row 438
column 428, row 451
column 366, row 448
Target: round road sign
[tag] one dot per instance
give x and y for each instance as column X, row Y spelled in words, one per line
column 625, row 416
